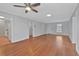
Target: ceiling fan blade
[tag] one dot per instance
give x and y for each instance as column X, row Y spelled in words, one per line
column 26, row 4
column 19, row 6
column 34, row 10
column 36, row 4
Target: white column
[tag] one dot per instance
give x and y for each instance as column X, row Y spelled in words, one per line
column 74, row 30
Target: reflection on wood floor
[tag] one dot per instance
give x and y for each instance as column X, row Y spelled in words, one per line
column 44, row 45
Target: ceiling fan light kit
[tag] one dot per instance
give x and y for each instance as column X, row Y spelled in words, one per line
column 28, row 8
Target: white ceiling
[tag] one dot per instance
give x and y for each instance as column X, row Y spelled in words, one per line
column 59, row 11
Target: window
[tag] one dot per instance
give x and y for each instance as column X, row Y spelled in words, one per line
column 59, row 28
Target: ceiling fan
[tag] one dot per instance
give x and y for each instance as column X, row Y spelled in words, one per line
column 29, row 7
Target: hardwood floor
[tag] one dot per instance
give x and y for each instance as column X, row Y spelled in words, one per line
column 44, row 45
column 4, row 40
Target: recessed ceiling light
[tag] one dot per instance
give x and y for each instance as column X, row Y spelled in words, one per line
column 48, row 15
column 2, row 17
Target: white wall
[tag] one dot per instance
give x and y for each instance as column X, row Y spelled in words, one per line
column 77, row 34
column 39, row 29
column 66, row 28
column 74, row 29
column 20, row 29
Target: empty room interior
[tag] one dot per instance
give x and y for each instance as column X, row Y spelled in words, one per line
column 39, row 29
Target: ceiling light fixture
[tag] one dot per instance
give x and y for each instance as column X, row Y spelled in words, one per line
column 2, row 17
column 28, row 8
column 48, row 15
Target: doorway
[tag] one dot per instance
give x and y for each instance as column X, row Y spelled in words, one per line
column 4, row 32
column 3, row 27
